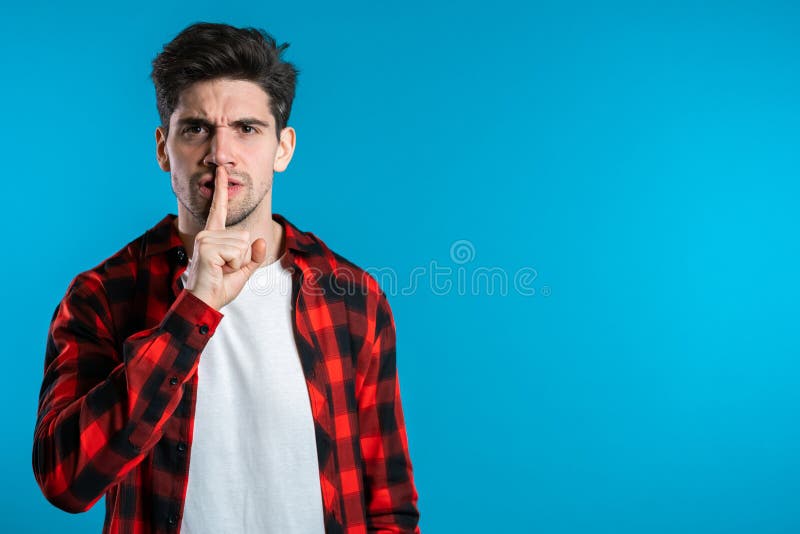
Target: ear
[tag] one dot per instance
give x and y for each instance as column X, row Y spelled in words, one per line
column 285, row 149
column 161, row 149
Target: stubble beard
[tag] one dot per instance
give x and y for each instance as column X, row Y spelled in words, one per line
column 198, row 206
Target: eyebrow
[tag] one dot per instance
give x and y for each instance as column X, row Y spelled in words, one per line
column 200, row 121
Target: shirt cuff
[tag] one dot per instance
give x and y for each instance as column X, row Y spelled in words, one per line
column 191, row 320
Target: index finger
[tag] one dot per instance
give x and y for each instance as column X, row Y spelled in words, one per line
column 218, row 211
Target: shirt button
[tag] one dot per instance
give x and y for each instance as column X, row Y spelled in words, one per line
column 180, row 255
column 174, row 380
column 173, row 520
column 181, row 447
column 204, row 329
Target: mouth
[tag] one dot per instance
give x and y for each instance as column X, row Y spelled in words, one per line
column 206, row 187
column 208, row 182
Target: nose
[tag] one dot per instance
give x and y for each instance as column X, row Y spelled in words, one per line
column 221, row 149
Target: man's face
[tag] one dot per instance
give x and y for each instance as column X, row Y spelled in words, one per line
column 226, row 123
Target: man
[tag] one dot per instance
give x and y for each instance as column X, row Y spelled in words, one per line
column 182, row 344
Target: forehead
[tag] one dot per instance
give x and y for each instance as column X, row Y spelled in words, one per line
column 223, row 99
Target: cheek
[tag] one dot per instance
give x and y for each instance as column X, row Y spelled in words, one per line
column 182, row 156
column 263, row 148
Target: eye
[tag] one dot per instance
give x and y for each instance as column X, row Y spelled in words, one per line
column 246, row 128
column 193, row 130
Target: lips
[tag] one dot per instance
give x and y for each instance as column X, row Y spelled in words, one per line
column 208, row 182
column 206, row 188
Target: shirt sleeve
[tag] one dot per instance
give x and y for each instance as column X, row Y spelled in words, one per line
column 391, row 496
column 101, row 409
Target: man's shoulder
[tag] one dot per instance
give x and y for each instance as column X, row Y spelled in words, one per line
column 344, row 276
column 342, row 280
column 119, row 270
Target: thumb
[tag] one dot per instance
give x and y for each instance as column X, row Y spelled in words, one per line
column 258, row 251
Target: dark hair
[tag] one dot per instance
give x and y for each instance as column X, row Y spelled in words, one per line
column 207, row 51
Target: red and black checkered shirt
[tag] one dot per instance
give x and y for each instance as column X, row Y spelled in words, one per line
column 117, row 402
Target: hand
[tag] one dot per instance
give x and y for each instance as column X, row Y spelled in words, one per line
column 223, row 259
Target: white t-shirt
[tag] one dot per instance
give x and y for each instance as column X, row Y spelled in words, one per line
column 253, row 464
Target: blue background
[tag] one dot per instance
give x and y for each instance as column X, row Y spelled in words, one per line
column 641, row 157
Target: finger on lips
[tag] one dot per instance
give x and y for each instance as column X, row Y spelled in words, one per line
column 218, row 211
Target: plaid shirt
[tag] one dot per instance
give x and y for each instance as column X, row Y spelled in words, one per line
column 117, row 403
